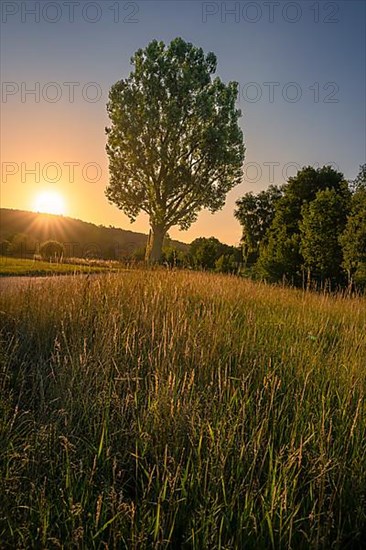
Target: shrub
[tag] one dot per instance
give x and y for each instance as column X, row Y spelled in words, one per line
column 52, row 250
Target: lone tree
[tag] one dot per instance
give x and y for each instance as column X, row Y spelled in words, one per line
column 174, row 143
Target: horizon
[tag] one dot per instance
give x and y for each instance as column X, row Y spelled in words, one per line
column 299, row 97
column 67, row 217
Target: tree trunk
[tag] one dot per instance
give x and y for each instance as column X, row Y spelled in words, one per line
column 308, row 285
column 155, row 244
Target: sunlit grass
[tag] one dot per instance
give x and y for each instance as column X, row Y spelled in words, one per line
column 160, row 409
column 11, row 266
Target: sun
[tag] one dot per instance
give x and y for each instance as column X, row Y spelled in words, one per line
column 50, row 202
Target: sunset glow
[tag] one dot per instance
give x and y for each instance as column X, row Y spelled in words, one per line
column 50, row 202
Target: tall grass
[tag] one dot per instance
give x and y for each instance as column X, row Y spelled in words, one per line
column 182, row 410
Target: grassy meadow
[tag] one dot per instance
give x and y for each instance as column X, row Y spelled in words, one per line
column 157, row 409
column 12, row 267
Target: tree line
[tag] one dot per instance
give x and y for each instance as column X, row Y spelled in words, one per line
column 310, row 231
column 203, row 253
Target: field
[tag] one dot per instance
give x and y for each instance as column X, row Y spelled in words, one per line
column 10, row 267
column 156, row 409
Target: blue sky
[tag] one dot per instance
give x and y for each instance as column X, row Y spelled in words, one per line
column 311, row 55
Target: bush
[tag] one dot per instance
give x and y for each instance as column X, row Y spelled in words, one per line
column 52, row 250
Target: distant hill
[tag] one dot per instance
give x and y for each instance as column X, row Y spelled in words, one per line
column 79, row 238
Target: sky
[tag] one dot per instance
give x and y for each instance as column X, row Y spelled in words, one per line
column 300, row 66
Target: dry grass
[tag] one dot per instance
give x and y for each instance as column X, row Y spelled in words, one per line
column 184, row 410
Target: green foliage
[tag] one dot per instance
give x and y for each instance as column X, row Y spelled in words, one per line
column 174, row 144
column 359, row 183
column 323, row 221
column 302, row 189
column 360, row 275
column 353, row 240
column 173, row 257
column 227, row 263
column 205, row 253
column 52, row 250
column 181, row 410
column 281, row 256
column 255, row 213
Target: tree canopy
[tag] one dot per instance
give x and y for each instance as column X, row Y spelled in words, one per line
column 174, row 143
column 255, row 213
column 204, row 252
column 353, row 239
column 280, row 254
column 323, row 221
column 314, row 224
